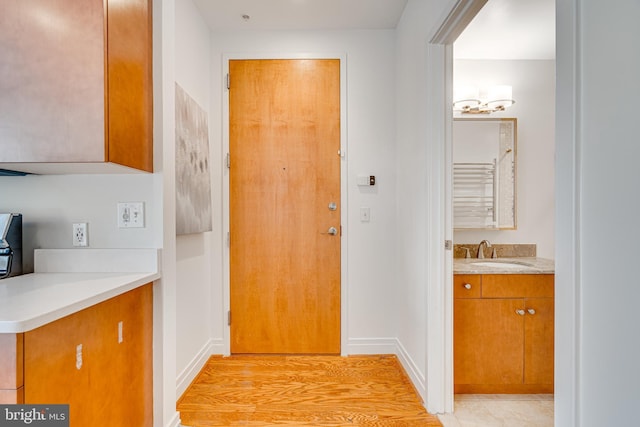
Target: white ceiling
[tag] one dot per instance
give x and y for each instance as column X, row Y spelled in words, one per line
column 503, row 29
column 226, row 15
column 510, row 29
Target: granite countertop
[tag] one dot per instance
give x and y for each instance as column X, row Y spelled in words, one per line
column 67, row 281
column 514, row 265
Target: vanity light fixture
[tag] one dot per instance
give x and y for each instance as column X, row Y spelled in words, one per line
column 467, row 100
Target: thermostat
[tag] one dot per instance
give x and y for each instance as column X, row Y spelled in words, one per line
column 366, row 180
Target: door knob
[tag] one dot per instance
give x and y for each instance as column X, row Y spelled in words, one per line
column 531, row 311
column 520, row 312
column 467, row 286
column 332, row 231
column 332, row 206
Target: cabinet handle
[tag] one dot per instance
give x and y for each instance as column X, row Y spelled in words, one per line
column 467, row 286
column 531, row 311
column 520, row 312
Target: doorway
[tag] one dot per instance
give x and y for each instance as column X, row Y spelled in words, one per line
column 284, row 206
column 441, row 58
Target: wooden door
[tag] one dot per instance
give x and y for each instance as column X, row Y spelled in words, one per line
column 488, row 336
column 284, row 141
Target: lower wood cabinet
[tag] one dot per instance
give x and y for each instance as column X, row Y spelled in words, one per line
column 98, row 360
column 503, row 333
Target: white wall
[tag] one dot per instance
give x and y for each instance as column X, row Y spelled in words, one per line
column 413, row 212
column 533, row 84
column 370, row 73
column 198, row 268
column 597, row 344
column 50, row 204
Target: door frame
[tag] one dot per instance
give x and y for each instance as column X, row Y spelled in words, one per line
column 439, row 303
column 226, row 286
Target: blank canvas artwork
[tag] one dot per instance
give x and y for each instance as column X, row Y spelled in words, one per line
column 193, row 177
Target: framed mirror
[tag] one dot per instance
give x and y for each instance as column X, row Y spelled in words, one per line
column 484, row 173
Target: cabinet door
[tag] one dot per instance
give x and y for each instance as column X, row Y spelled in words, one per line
column 52, row 81
column 125, row 366
column 108, row 382
column 488, row 337
column 538, row 341
column 57, row 369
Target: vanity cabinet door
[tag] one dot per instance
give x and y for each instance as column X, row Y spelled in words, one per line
column 504, row 338
column 488, row 337
column 538, row 342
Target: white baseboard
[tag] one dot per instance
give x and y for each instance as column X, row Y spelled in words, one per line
column 175, row 421
column 390, row 346
column 193, row 368
column 416, row 375
column 371, row 346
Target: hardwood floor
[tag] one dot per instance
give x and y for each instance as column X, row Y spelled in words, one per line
column 303, row 391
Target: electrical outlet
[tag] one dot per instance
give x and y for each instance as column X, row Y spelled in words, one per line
column 131, row 215
column 80, row 237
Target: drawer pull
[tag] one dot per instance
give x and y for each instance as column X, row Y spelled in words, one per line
column 520, row 312
column 467, row 286
column 531, row 311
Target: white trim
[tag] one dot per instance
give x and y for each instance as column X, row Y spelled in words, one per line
column 189, row 373
column 568, row 141
column 437, row 362
column 439, row 298
column 371, row 346
column 344, row 303
column 175, row 421
column 413, row 370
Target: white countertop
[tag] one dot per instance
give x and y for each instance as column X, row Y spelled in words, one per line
column 518, row 265
column 59, row 288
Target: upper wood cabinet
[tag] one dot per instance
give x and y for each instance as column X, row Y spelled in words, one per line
column 76, row 85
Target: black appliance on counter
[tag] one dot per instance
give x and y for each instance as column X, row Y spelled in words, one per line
column 10, row 245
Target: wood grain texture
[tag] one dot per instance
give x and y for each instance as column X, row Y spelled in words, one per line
column 303, row 391
column 488, row 337
column 129, row 113
column 459, row 282
column 284, row 137
column 113, row 384
column 497, row 350
column 539, row 341
column 517, row 285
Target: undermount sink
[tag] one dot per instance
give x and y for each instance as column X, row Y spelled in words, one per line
column 501, row 264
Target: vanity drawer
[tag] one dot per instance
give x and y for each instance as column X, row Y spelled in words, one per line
column 517, row 285
column 467, row 286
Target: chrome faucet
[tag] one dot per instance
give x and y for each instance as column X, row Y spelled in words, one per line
column 480, row 251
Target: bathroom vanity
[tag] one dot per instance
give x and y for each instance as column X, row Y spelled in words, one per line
column 503, row 325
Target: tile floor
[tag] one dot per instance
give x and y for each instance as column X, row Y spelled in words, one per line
column 489, row 410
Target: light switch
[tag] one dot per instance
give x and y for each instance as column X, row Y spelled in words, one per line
column 131, row 215
column 365, row 214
